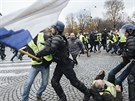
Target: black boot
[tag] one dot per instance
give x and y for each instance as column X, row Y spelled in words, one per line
column 87, row 96
column 81, row 87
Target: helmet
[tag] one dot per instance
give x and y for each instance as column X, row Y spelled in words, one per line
column 59, row 26
column 129, row 28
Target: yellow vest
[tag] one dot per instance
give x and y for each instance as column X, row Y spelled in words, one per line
column 81, row 37
column 38, row 47
column 114, row 39
column 110, row 88
column 122, row 38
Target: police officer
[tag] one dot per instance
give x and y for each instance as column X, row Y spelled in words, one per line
column 58, row 46
column 128, row 55
column 129, row 31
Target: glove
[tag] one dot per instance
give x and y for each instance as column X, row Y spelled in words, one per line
column 38, row 55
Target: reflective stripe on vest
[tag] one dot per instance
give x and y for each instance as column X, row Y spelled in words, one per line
column 110, row 88
column 114, row 38
column 111, row 41
column 83, row 37
column 38, row 47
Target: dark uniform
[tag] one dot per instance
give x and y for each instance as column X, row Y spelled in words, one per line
column 58, row 46
column 131, row 55
column 128, row 57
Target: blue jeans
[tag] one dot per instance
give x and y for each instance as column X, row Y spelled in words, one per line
column 114, row 71
column 32, row 75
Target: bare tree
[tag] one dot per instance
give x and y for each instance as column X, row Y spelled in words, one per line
column 114, row 9
column 70, row 23
column 84, row 20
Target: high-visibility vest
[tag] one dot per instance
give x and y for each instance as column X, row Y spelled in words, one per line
column 113, row 39
column 122, row 38
column 110, row 88
column 98, row 38
column 38, row 47
column 83, row 38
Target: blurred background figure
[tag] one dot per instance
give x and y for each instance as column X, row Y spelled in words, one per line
column 75, row 46
column 104, row 36
column 15, row 52
column 2, row 52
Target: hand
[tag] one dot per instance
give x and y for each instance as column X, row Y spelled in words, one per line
column 38, row 55
column 118, row 88
column 37, row 60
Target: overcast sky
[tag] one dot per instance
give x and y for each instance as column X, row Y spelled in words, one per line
column 8, row 6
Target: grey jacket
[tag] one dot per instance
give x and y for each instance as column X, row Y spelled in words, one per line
column 75, row 46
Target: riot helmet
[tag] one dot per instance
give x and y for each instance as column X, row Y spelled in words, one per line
column 128, row 28
column 59, row 26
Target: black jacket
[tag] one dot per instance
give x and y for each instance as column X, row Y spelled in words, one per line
column 57, row 46
column 130, row 48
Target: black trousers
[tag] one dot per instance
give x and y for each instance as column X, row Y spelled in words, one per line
column 131, row 84
column 67, row 70
column 74, row 56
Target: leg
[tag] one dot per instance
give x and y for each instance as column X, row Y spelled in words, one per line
column 32, row 74
column 112, row 73
column 15, row 54
column 45, row 77
column 91, row 47
column 109, row 47
column 68, row 71
column 131, row 87
column 56, row 83
column 124, row 74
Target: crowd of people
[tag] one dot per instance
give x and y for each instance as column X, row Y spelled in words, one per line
column 16, row 54
column 56, row 47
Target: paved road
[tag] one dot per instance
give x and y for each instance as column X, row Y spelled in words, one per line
column 13, row 75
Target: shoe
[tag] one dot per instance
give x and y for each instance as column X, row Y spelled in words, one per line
column 101, row 72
